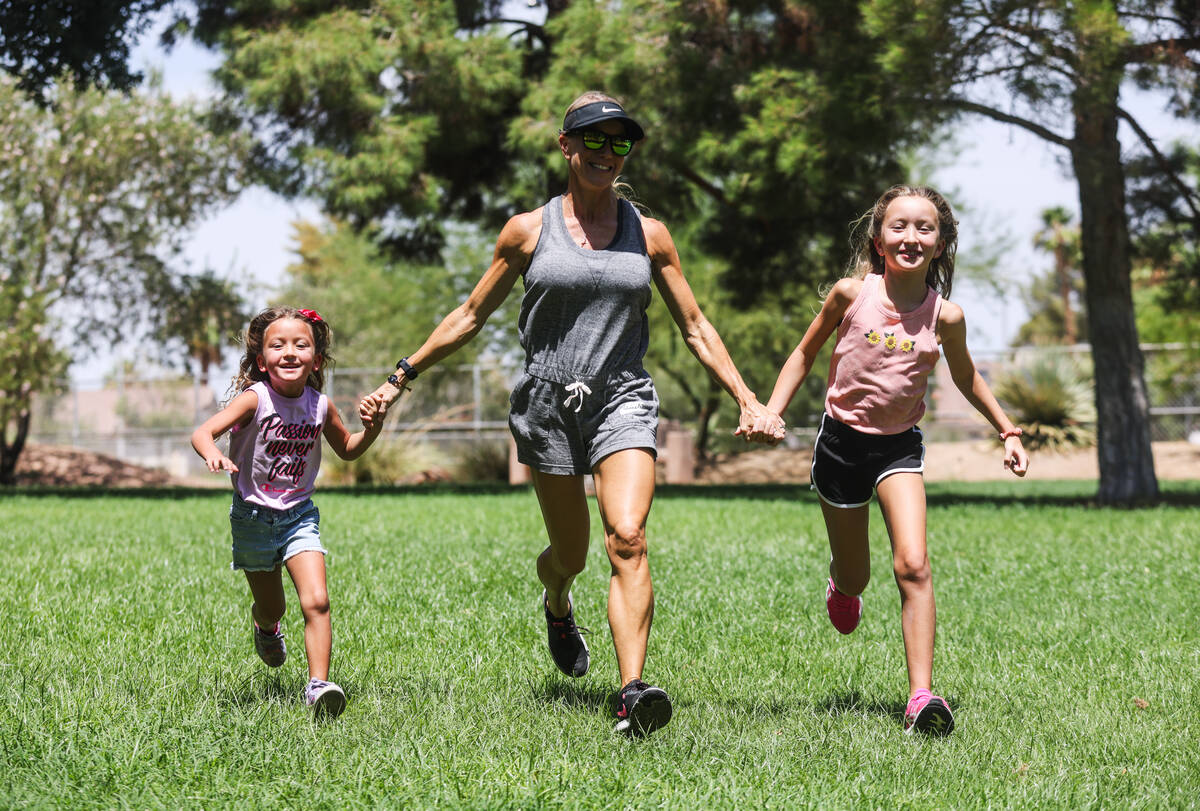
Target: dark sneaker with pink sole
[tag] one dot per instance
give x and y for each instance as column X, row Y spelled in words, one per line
column 565, row 638
column 641, row 709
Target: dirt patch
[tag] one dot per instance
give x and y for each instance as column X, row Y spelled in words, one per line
column 51, row 466
column 946, row 461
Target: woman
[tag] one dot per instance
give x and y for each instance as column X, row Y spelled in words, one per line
column 584, row 403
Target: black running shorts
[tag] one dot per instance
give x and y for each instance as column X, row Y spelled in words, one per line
column 848, row 465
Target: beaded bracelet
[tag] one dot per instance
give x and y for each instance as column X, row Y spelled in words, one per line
column 1014, row 432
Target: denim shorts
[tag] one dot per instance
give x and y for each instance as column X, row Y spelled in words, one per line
column 263, row 539
column 848, row 465
column 568, row 429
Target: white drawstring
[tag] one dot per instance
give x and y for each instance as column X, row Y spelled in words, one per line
column 577, row 389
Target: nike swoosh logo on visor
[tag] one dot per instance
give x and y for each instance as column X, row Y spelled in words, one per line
column 611, row 110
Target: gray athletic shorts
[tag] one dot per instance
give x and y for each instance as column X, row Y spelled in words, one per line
column 567, row 429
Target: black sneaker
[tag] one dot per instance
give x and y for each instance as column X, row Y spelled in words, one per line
column 641, row 709
column 565, row 638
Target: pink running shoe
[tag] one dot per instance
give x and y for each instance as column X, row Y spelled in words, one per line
column 929, row 714
column 844, row 611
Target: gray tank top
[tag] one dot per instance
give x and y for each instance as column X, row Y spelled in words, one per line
column 583, row 316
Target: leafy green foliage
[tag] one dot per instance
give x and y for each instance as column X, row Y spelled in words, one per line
column 763, row 118
column 1165, row 221
column 30, row 362
column 385, row 111
column 1063, row 64
column 1050, row 397
column 381, row 309
column 201, row 314
column 759, row 340
column 42, row 41
column 96, row 192
column 1053, row 300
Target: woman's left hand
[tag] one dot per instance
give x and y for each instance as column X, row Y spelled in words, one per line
column 757, row 424
column 375, row 405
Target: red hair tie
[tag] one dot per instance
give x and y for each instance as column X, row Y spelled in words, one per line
column 311, row 315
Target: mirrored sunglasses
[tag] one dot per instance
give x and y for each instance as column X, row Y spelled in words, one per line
column 621, row 146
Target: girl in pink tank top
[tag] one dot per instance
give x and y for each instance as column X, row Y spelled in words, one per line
column 277, row 420
column 892, row 323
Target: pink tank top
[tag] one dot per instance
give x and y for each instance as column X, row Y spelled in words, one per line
column 278, row 453
column 881, row 362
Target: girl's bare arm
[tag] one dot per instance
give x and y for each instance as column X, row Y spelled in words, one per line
column 346, row 445
column 952, row 330
column 800, row 362
column 204, row 439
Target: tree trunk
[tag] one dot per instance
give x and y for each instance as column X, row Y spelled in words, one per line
column 1122, row 406
column 10, row 452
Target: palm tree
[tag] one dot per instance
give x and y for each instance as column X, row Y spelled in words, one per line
column 1060, row 238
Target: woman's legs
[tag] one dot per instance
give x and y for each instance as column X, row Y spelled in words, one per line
column 624, row 491
column 565, row 511
column 308, row 575
column 902, row 500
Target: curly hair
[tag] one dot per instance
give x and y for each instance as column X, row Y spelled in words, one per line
column 869, row 227
column 248, row 372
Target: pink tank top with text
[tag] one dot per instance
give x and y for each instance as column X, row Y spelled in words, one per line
column 881, row 362
column 278, row 453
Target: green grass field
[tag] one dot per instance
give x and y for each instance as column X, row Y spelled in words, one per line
column 1069, row 645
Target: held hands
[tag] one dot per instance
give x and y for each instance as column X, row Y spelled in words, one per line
column 1015, row 457
column 374, row 407
column 758, row 424
column 371, row 410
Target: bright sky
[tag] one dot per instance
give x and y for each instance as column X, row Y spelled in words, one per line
column 1001, row 180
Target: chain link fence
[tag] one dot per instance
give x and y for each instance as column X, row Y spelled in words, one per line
column 455, row 421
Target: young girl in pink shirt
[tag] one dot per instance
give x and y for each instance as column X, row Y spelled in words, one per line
column 892, row 323
column 277, row 420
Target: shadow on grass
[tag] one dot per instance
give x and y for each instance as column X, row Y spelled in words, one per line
column 852, row 702
column 574, row 695
column 255, row 690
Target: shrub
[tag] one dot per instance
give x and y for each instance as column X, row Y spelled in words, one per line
column 404, row 458
column 483, row 461
column 1051, row 398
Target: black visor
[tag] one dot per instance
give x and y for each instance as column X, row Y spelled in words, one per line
column 599, row 111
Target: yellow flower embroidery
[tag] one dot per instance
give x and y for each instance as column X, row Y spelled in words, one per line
column 873, row 337
column 906, row 345
column 889, row 340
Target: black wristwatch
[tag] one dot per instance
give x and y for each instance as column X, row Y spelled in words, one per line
column 409, row 372
column 397, row 382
